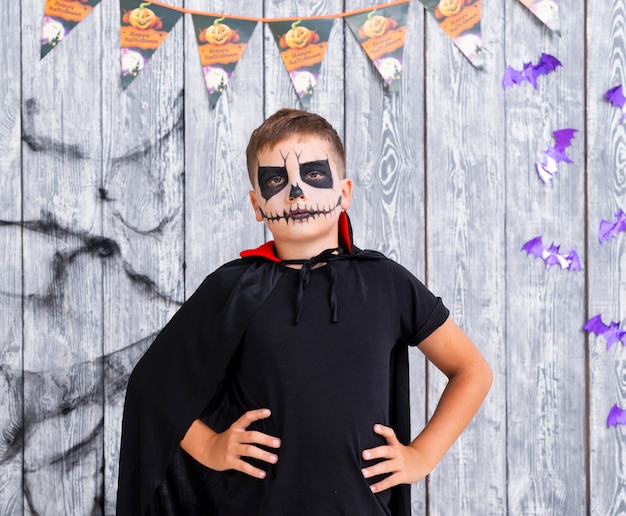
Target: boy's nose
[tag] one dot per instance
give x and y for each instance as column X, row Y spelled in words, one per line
column 295, row 191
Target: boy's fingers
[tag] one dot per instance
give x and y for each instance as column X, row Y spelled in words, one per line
column 380, row 452
column 384, row 451
column 255, row 437
column 249, row 469
column 386, row 432
column 377, row 469
column 250, row 417
column 387, row 483
column 249, row 450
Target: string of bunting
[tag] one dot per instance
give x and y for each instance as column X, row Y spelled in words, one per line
column 302, row 41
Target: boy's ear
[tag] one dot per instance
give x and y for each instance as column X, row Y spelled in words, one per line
column 255, row 206
column 346, row 193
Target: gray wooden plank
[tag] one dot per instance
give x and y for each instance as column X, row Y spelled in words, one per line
column 545, row 309
column 606, row 185
column 466, row 184
column 219, row 221
column 11, row 394
column 385, row 158
column 142, row 203
column 63, row 408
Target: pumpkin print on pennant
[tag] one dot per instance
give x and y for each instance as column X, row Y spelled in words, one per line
column 142, row 18
column 447, row 8
column 219, row 34
column 298, row 36
column 376, row 26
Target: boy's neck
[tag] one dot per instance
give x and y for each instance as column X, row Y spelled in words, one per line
column 304, row 250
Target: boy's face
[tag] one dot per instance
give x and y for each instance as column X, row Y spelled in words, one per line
column 298, row 192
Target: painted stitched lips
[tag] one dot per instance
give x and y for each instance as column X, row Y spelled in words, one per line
column 303, row 213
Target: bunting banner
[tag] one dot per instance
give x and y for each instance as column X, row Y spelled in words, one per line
column 460, row 20
column 221, row 43
column 302, row 44
column 382, row 33
column 59, row 18
column 302, row 41
column 144, row 26
column 547, row 11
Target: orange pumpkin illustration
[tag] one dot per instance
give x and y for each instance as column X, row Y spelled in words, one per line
column 142, row 18
column 298, row 36
column 218, row 34
column 450, row 7
column 376, row 26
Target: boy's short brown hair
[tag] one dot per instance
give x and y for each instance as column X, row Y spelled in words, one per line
column 287, row 122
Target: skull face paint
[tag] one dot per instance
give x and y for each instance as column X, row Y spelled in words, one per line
column 317, row 174
column 299, row 194
column 272, row 180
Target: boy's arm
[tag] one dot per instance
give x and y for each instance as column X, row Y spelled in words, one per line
column 470, row 377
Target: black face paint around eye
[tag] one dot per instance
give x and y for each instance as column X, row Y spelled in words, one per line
column 272, row 180
column 317, row 173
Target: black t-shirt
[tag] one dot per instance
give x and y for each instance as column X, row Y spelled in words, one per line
column 327, row 384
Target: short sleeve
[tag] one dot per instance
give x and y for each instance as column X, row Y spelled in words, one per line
column 421, row 312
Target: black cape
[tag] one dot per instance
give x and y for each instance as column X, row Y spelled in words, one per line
column 181, row 377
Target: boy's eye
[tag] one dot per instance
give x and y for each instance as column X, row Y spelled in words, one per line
column 317, row 173
column 271, row 180
column 275, row 182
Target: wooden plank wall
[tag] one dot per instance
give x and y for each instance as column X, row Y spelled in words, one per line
column 115, row 204
column 606, row 279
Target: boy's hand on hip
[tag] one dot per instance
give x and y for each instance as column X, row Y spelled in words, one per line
column 403, row 464
column 222, row 451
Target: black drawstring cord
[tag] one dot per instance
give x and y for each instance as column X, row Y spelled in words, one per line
column 304, row 276
column 333, row 291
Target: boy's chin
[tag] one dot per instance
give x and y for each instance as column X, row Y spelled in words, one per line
column 304, row 228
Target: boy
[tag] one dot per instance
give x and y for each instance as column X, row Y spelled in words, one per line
column 284, row 378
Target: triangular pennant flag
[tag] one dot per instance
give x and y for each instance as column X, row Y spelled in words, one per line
column 302, row 44
column 144, row 26
column 221, row 43
column 59, row 18
column 547, row 11
column 381, row 32
column 460, row 20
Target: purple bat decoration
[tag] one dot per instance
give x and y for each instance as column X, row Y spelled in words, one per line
column 616, row 97
column 555, row 154
column 530, row 72
column 609, row 230
column 617, row 416
column 551, row 255
column 612, row 332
